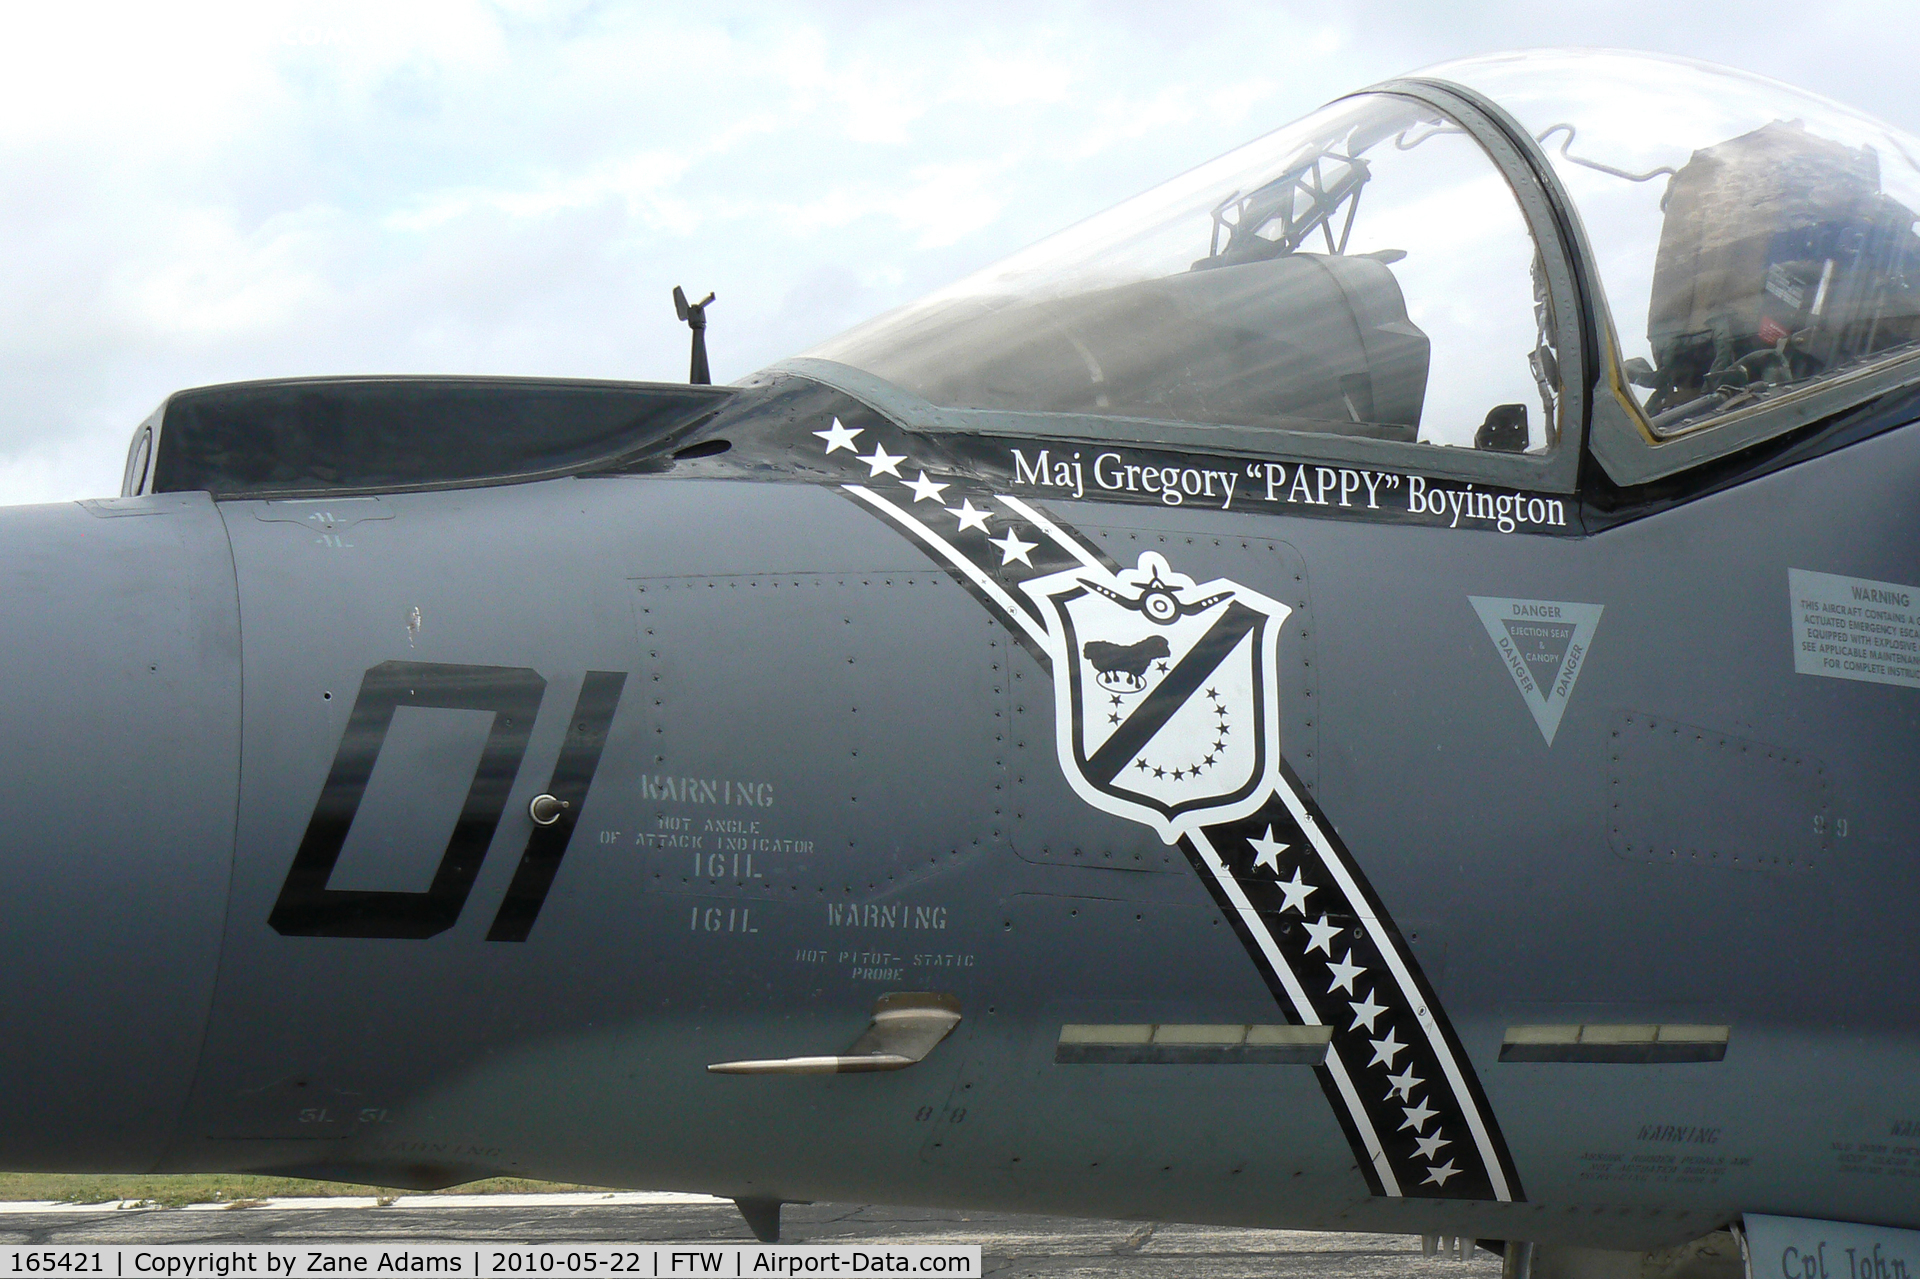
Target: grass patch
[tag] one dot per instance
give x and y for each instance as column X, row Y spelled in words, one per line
column 172, row 1192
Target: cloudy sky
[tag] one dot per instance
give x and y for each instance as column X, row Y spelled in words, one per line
column 201, row 194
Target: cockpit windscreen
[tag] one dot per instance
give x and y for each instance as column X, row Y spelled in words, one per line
column 1365, row 271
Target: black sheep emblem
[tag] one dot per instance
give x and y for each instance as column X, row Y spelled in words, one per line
column 1122, row 668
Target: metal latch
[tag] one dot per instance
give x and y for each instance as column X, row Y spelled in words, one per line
column 906, row 1026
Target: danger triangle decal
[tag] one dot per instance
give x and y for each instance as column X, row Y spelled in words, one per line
column 1543, row 645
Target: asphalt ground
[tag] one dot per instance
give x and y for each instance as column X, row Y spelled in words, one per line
column 1012, row 1246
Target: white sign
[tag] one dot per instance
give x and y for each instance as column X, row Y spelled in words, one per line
column 1855, row 628
column 1796, row 1248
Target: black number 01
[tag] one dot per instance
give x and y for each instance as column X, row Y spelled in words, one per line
column 308, row 908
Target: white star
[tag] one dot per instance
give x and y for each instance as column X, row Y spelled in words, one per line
column 1343, row 974
column 1296, row 892
column 837, row 437
column 1385, row 1050
column 1012, row 548
column 1430, row 1146
column 1270, row 850
column 881, row 460
column 1365, row 1011
column 1323, row 935
column 969, row 518
column 1417, row 1117
column 1438, row 1176
column 924, row 488
column 1405, row 1084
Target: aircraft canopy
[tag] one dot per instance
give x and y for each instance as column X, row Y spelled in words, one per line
column 1750, row 236
column 1380, row 268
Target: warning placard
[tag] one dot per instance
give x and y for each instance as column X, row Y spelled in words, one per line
column 1855, row 628
column 1543, row 644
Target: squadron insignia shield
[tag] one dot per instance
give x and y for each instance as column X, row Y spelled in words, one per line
column 1165, row 699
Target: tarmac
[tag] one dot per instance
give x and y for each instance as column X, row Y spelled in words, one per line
column 1013, row 1247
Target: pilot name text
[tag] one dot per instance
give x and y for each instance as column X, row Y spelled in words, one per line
column 1181, row 482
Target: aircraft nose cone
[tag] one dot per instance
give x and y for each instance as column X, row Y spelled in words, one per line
column 117, row 801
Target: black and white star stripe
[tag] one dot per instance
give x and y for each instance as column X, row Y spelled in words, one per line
column 1333, row 957
column 1395, row 1075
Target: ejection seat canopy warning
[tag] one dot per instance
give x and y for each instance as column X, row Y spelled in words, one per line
column 1543, row 645
column 1366, row 271
column 1752, row 239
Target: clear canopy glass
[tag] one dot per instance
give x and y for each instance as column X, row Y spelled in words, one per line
column 1751, row 238
column 1364, row 271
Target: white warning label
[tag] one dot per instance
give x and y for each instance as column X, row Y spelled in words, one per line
column 1855, row 628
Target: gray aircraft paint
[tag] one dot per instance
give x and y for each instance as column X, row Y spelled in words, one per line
column 122, row 697
column 775, row 613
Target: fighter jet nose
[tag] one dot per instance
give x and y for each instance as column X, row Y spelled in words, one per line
column 122, row 707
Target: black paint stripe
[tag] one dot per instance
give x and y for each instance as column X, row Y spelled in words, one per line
column 306, row 907
column 1616, row 1054
column 1369, row 901
column 1172, row 693
column 572, row 777
column 1336, row 1102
